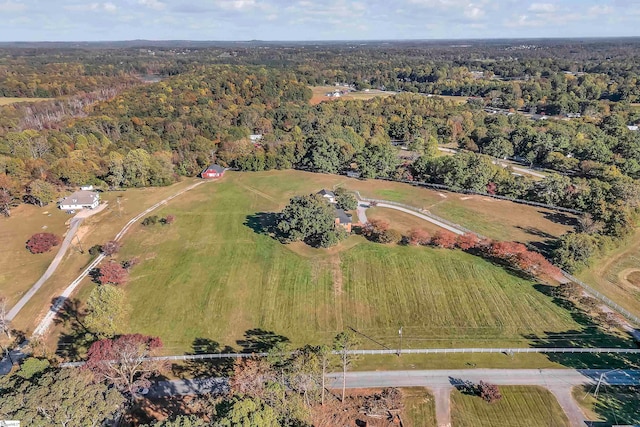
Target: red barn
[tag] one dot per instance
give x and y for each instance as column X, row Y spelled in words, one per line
column 213, row 171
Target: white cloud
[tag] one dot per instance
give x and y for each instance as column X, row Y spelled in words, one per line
column 152, row 4
column 93, row 7
column 237, row 4
column 542, row 8
column 9, row 6
column 473, row 12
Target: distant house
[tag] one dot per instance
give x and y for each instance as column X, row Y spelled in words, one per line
column 573, row 115
column 353, row 174
column 213, row 171
column 255, row 137
column 86, row 187
column 82, row 199
column 343, row 219
column 329, row 195
column 632, row 127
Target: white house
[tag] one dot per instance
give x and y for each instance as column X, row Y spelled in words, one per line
column 632, row 128
column 255, row 137
column 329, row 195
column 80, row 200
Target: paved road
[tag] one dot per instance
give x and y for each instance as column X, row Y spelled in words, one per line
column 503, row 163
column 73, row 228
column 441, row 382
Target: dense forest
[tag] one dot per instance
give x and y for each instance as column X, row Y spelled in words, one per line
column 107, row 127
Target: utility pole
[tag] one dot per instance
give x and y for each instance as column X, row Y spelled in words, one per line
column 400, row 348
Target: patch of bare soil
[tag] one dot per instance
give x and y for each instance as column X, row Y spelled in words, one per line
column 336, row 272
column 362, row 407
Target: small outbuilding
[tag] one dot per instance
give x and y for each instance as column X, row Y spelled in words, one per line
column 213, row 171
column 82, row 199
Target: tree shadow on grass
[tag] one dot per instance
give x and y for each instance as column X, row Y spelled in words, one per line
column 197, row 368
column 263, row 223
column 75, row 339
column 617, row 405
column 560, row 218
column 261, row 341
column 590, row 335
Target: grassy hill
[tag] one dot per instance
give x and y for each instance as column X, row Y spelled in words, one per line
column 210, row 275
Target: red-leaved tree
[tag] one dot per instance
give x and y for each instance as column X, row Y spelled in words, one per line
column 467, row 241
column 42, row 242
column 489, row 392
column 507, row 251
column 169, row 219
column 418, row 236
column 114, row 273
column 444, row 239
column 374, row 228
column 110, row 248
column 124, row 361
column 535, row 264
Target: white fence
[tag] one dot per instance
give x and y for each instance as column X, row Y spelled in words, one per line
column 508, row 351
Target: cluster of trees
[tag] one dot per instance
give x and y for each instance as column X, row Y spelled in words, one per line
column 309, row 219
column 274, row 391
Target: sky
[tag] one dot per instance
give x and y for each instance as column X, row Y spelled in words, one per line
column 89, row 20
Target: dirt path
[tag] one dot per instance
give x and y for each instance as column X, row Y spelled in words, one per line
column 336, row 272
column 569, row 405
column 442, row 395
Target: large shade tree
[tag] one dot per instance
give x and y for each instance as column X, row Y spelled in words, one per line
column 310, row 219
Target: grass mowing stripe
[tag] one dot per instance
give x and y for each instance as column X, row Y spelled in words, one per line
column 211, row 276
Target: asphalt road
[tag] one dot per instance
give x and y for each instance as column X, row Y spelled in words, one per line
column 441, row 382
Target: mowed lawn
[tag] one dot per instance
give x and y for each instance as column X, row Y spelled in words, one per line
column 210, row 275
column 525, row 406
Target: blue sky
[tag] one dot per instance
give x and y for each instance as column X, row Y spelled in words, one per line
column 76, row 20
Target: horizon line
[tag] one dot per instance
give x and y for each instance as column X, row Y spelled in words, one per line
column 322, row 40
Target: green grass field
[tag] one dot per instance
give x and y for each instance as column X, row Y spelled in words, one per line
column 519, row 406
column 210, row 275
column 614, row 405
column 419, row 408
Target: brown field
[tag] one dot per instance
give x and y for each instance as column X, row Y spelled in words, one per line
column 454, row 99
column 319, row 94
column 403, row 222
column 8, row 101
